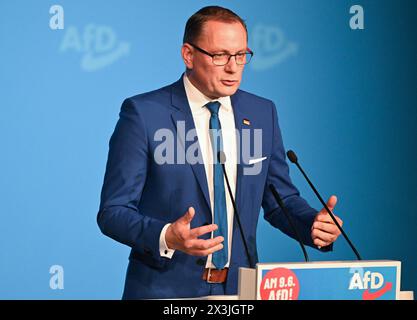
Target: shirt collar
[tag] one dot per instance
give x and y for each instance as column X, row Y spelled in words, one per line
column 198, row 100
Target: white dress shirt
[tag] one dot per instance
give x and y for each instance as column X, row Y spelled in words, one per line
column 201, row 116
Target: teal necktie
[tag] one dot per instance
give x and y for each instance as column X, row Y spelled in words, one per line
column 219, row 257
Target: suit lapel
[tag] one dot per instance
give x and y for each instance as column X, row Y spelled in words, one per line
column 183, row 117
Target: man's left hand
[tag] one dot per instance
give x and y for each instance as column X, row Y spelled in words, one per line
column 324, row 231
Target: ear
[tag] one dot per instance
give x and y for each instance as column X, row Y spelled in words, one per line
column 187, row 53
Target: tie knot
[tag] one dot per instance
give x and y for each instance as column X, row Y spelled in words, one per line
column 213, row 107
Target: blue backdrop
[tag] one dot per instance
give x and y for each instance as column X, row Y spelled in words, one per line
column 346, row 100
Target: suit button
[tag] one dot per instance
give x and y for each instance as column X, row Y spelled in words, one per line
column 147, row 251
column 200, row 262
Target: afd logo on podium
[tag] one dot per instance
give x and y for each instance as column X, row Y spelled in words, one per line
column 372, row 284
column 367, row 280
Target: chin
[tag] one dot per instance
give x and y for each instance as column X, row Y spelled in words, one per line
column 228, row 91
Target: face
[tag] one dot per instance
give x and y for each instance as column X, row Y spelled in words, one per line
column 216, row 37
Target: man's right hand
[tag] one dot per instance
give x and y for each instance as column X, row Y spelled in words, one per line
column 179, row 236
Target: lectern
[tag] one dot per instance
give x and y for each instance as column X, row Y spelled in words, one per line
column 324, row 280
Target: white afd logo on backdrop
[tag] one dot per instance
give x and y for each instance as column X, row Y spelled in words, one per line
column 98, row 45
column 271, row 47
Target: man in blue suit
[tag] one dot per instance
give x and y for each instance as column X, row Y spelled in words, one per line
column 164, row 192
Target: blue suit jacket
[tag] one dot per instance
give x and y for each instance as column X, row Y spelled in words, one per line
column 140, row 196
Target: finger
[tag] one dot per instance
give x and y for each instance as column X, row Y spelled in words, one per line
column 326, row 227
column 188, row 216
column 340, row 221
column 326, row 218
column 320, row 243
column 331, row 203
column 208, row 251
column 324, row 236
column 197, row 232
column 202, row 244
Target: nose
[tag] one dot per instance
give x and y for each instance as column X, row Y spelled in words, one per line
column 231, row 65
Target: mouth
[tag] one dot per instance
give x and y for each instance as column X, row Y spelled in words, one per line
column 229, row 83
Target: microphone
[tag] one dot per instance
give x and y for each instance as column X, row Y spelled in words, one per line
column 293, row 158
column 221, row 157
column 290, row 220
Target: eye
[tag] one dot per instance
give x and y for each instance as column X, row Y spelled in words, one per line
column 220, row 55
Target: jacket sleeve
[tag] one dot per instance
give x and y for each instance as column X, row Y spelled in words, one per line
column 278, row 175
column 126, row 171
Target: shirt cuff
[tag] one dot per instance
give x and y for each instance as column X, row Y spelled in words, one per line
column 164, row 251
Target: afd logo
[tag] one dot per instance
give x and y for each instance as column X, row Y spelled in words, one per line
column 370, row 281
column 97, row 44
column 271, row 47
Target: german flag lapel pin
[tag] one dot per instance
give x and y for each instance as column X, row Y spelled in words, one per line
column 246, row 122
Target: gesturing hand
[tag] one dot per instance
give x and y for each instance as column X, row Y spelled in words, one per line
column 324, row 231
column 180, row 236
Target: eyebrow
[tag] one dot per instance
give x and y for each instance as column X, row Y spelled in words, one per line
column 228, row 52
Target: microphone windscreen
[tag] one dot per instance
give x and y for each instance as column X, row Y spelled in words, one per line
column 292, row 156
